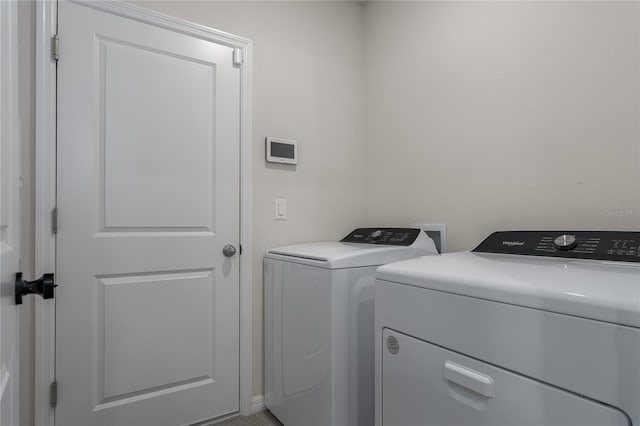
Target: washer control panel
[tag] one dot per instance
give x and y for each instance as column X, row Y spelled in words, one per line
column 600, row 245
column 386, row 236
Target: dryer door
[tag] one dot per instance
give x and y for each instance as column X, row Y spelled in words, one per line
column 424, row 384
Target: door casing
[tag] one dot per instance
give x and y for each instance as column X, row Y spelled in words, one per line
column 10, row 202
column 45, row 191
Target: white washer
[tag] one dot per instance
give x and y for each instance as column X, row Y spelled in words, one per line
column 319, row 324
column 531, row 328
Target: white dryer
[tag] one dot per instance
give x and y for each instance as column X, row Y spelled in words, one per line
column 530, row 328
column 318, row 300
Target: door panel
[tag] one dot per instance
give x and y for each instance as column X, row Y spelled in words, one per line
column 147, row 328
column 175, row 337
column 165, row 130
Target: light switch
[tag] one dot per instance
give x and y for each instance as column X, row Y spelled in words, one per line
column 280, row 209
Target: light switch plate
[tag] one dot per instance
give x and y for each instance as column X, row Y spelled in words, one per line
column 280, row 209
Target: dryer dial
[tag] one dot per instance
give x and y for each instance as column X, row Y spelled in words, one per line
column 376, row 234
column 565, row 242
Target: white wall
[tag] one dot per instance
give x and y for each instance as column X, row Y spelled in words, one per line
column 503, row 115
column 307, row 85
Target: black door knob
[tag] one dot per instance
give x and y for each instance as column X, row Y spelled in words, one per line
column 43, row 286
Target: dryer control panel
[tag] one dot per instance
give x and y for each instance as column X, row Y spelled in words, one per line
column 386, row 236
column 621, row 246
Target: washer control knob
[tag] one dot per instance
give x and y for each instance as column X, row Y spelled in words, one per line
column 376, row 234
column 565, row 242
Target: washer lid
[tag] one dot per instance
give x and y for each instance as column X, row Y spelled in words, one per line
column 335, row 255
column 599, row 290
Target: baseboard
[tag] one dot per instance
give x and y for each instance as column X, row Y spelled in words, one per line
column 257, row 404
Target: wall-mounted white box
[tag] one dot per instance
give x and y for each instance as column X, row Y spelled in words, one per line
column 283, row 151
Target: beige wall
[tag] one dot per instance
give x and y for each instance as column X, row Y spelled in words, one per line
column 307, row 85
column 503, row 115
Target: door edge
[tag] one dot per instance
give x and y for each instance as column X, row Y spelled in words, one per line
column 45, row 201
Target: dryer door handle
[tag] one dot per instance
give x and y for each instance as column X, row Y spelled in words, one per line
column 470, row 379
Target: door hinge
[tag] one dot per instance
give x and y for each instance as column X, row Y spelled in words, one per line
column 238, row 57
column 54, row 220
column 240, row 248
column 55, row 47
column 53, row 394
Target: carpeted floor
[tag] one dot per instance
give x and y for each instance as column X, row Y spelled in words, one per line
column 263, row 418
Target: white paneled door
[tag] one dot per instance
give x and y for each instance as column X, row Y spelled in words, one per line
column 9, row 215
column 147, row 308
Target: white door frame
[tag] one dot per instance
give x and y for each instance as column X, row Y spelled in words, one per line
column 10, row 133
column 45, row 191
